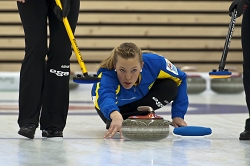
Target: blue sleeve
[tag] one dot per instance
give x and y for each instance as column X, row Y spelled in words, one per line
column 180, row 104
column 106, row 94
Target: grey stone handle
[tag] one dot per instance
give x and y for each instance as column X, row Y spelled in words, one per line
column 145, row 108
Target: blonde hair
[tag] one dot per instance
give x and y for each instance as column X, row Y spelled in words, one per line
column 125, row 50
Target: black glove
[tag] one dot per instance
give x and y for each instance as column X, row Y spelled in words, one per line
column 239, row 5
column 60, row 13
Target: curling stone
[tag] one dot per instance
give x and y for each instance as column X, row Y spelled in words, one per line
column 195, row 83
column 231, row 85
column 149, row 127
column 72, row 85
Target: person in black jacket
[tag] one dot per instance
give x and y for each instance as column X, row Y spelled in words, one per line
column 241, row 8
column 45, row 70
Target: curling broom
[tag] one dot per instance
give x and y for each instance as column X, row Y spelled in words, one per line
column 221, row 72
column 85, row 78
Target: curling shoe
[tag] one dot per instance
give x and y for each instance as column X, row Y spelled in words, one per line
column 52, row 132
column 245, row 135
column 28, row 130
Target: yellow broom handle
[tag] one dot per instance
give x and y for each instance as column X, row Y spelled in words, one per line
column 73, row 41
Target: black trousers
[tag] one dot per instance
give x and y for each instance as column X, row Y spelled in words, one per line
column 245, row 39
column 162, row 92
column 44, row 81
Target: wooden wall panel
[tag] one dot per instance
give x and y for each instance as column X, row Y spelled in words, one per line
column 187, row 32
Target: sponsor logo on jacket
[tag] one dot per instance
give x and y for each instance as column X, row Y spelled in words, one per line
column 171, row 67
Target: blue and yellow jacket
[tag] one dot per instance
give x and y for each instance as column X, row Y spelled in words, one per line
column 108, row 94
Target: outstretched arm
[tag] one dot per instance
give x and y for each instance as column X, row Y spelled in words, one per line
column 115, row 126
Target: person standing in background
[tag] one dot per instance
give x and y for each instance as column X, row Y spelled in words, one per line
column 241, row 8
column 44, row 81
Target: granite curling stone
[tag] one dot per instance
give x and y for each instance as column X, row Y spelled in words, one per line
column 149, row 127
column 196, row 84
column 231, row 85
